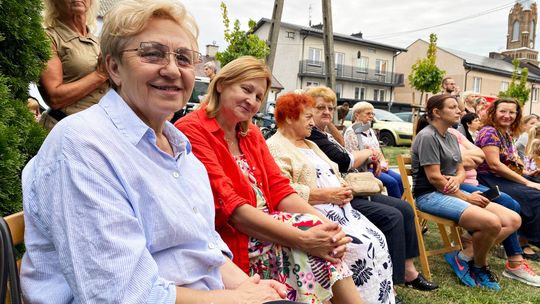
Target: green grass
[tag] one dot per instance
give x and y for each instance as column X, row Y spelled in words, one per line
column 391, row 153
column 450, row 291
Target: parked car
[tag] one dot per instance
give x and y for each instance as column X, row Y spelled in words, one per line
column 392, row 130
column 405, row 116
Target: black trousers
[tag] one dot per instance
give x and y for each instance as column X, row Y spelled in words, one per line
column 395, row 218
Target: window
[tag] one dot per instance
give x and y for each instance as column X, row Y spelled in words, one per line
column 380, row 66
column 477, row 84
column 340, row 61
column 360, row 93
column 362, row 64
column 504, row 86
column 378, row 94
column 339, row 90
column 534, row 94
column 314, row 56
column 531, row 30
column 312, row 84
column 515, row 31
column 290, row 35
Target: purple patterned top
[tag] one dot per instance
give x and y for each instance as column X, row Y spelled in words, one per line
column 489, row 136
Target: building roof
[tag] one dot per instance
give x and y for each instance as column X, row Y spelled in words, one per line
column 486, row 64
column 337, row 36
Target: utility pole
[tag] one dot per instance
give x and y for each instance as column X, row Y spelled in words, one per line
column 274, row 32
column 328, row 40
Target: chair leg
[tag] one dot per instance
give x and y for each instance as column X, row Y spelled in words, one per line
column 422, row 257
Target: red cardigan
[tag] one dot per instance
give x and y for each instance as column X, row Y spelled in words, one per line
column 230, row 187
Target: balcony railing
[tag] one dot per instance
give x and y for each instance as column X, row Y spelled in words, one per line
column 351, row 73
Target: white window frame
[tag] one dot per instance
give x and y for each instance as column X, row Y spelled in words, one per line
column 360, row 93
column 362, row 64
column 339, row 90
column 504, row 86
column 534, row 94
column 379, row 94
column 381, row 66
column 477, row 84
column 314, row 56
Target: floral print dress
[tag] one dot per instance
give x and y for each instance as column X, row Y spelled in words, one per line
column 309, row 279
column 367, row 255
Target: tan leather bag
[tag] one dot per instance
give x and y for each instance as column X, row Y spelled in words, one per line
column 364, row 183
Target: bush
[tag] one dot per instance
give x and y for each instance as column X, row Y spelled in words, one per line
column 24, row 50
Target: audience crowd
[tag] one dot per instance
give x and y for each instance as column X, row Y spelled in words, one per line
column 122, row 206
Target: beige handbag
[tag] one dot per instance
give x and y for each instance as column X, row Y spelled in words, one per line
column 364, row 183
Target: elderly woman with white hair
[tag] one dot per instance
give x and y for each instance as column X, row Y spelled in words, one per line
column 361, row 136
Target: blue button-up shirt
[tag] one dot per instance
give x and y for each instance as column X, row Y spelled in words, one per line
column 111, row 218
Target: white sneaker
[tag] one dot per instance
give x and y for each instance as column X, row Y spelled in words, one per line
column 522, row 273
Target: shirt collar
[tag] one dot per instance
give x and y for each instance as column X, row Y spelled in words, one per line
column 134, row 129
column 209, row 123
column 68, row 34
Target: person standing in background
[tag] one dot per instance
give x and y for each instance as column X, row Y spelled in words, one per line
column 449, row 87
column 210, row 70
column 74, row 78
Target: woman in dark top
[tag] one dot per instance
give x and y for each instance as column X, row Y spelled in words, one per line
column 437, row 171
column 471, row 124
column 394, row 217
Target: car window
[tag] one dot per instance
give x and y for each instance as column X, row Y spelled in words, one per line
column 383, row 115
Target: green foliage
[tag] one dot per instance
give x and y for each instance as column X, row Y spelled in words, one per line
column 518, row 91
column 241, row 43
column 24, row 50
column 425, row 75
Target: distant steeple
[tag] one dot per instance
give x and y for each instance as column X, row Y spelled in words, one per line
column 521, row 35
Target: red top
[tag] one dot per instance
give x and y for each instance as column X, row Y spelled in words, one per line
column 229, row 185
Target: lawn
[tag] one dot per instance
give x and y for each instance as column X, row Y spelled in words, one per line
column 451, row 291
column 391, row 153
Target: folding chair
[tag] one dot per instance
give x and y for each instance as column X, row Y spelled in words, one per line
column 11, row 233
column 450, row 238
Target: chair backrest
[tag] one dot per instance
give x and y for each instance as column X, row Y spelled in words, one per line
column 404, row 165
column 11, row 233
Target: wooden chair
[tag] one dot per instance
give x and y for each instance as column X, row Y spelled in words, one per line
column 450, row 238
column 11, row 233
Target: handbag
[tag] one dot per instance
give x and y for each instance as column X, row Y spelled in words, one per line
column 516, row 167
column 364, row 183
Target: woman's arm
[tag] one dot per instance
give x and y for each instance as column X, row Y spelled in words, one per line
column 62, row 94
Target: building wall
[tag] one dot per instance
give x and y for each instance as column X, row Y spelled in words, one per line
column 404, row 61
column 294, row 47
column 453, row 65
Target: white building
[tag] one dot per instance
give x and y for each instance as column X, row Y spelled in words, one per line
column 364, row 69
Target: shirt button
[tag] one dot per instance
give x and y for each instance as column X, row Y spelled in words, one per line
column 195, row 210
column 210, row 268
column 175, row 174
column 211, row 246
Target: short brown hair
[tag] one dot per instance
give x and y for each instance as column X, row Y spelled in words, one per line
column 489, row 117
column 291, row 105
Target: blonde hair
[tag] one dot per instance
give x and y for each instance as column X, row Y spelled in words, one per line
column 241, row 69
column 533, row 149
column 324, row 92
column 55, row 10
column 32, row 104
column 130, row 17
column 533, row 132
column 360, row 107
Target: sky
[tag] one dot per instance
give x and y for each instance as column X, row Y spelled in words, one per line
column 481, row 25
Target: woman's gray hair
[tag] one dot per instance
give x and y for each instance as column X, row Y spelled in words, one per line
column 130, row 17
column 361, row 106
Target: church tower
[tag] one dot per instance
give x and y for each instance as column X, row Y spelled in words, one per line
column 521, row 36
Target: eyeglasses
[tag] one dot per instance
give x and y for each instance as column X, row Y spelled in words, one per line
column 157, row 53
column 321, row 108
column 369, row 113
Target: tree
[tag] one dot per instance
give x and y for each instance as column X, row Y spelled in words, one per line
column 518, row 91
column 24, row 50
column 241, row 43
column 425, row 75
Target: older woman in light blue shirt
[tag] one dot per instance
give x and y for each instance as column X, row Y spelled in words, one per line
column 117, row 207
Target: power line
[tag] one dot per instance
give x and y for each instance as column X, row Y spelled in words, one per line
column 476, row 15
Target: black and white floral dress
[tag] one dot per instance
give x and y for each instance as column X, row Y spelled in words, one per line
column 367, row 255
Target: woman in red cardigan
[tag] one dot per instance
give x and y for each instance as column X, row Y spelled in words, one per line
column 268, row 227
